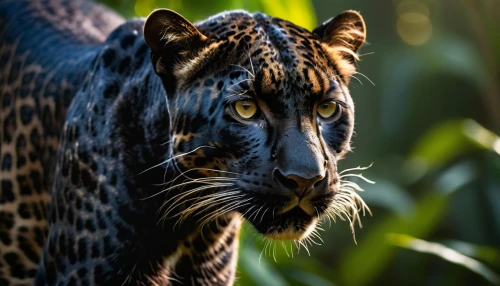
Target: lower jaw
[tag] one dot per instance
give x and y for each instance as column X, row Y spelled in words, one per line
column 291, row 233
column 295, row 224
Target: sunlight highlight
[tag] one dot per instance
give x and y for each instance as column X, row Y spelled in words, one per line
column 413, row 24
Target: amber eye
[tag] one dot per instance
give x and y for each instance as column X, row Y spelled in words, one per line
column 246, row 108
column 329, row 109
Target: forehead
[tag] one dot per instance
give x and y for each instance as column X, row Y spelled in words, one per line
column 285, row 60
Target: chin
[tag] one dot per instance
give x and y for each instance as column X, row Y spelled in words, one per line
column 294, row 224
column 291, row 233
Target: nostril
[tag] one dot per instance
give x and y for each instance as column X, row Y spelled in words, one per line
column 284, row 181
column 318, row 183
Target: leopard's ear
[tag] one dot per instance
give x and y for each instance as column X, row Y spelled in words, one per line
column 344, row 35
column 171, row 38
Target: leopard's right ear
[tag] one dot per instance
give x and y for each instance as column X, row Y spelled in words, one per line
column 172, row 39
column 343, row 36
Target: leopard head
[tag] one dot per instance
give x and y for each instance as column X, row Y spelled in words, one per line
column 260, row 114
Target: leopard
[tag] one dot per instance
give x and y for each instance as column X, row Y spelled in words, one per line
column 132, row 151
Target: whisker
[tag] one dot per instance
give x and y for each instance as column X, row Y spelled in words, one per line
column 224, row 212
column 168, row 142
column 366, row 78
column 263, row 213
column 357, row 79
column 256, row 214
column 355, row 169
column 175, row 157
column 181, row 196
column 182, row 174
column 182, row 216
column 305, row 247
column 233, row 202
column 358, row 176
column 228, row 208
column 263, row 249
column 348, row 204
column 209, row 182
column 286, row 250
column 200, row 201
column 218, row 198
column 250, row 73
column 366, row 54
column 250, row 58
column 274, row 251
column 234, row 84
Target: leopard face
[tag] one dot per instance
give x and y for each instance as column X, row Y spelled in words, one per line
column 260, row 115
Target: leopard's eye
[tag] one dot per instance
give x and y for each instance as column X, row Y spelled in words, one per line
column 329, row 110
column 246, row 108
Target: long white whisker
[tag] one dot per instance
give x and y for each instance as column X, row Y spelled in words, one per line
column 358, row 176
column 250, row 73
column 174, row 157
column 188, row 183
column 233, row 207
column 366, row 78
column 200, row 201
column 231, row 200
column 180, row 196
column 355, row 169
column 175, row 203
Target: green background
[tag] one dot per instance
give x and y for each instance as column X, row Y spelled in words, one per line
column 429, row 123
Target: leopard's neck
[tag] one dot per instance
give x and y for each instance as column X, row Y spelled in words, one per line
column 207, row 256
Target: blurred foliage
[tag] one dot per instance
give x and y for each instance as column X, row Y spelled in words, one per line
column 299, row 11
column 429, row 123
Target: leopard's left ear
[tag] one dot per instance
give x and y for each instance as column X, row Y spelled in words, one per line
column 344, row 35
column 172, row 39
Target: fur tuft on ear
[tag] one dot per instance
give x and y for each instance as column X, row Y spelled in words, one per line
column 171, row 39
column 164, row 27
column 343, row 36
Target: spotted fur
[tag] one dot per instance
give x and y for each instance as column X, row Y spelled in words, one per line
column 131, row 127
column 40, row 69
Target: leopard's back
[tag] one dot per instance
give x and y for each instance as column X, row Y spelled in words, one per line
column 46, row 48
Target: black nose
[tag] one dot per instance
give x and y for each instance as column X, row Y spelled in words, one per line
column 300, row 185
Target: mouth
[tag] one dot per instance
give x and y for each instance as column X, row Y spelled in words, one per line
column 294, row 221
column 295, row 224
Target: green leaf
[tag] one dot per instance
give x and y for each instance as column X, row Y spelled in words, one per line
column 481, row 252
column 389, row 196
column 306, row 278
column 447, row 141
column 255, row 271
column 363, row 263
column 446, row 253
column 441, row 144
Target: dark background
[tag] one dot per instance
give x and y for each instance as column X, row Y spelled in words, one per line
column 429, row 123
